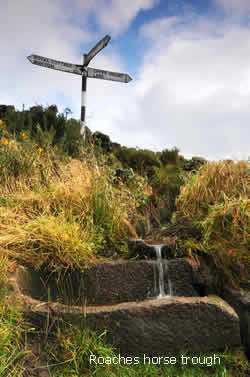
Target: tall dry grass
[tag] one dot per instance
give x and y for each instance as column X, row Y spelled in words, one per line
column 63, row 213
column 216, row 199
column 212, row 184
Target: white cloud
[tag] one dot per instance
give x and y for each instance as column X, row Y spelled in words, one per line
column 112, row 16
column 196, row 86
column 55, row 30
column 234, row 5
column 193, row 91
column 31, row 27
column 59, row 31
column 116, row 15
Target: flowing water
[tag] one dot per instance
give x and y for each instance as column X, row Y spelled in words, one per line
column 161, row 267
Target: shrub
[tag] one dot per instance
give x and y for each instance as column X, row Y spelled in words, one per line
column 216, row 200
column 73, row 219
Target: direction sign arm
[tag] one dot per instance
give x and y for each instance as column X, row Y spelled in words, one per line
column 107, row 75
column 56, row 64
column 98, row 47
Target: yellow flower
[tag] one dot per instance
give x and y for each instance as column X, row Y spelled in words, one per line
column 24, row 135
column 4, row 141
column 56, row 147
column 39, row 150
column 27, row 155
column 1, row 122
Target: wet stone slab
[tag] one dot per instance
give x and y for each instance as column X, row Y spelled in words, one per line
column 156, row 327
column 110, row 282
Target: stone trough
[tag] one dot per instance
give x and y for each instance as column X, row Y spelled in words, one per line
column 109, row 283
column 120, row 297
column 153, row 327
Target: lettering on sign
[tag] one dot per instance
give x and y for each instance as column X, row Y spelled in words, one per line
column 108, row 75
column 44, row 64
column 56, row 64
column 79, row 69
column 51, row 61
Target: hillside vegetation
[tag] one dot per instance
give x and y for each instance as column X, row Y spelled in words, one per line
column 68, row 200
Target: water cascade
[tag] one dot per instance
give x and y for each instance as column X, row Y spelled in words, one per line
column 161, row 267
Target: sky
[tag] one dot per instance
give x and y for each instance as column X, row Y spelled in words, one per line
column 189, row 60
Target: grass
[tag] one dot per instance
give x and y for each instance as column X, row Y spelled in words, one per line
column 59, row 214
column 213, row 183
column 216, row 201
column 12, row 327
column 74, row 352
column 79, row 352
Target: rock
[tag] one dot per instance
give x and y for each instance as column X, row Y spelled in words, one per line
column 35, row 364
column 180, row 274
column 139, row 248
column 115, row 282
column 240, row 301
column 103, row 283
column 169, row 247
column 206, row 279
column 107, row 283
column 155, row 327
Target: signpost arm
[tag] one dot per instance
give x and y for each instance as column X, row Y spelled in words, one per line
column 97, row 48
column 84, row 71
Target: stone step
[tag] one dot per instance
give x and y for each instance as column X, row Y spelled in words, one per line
column 153, row 327
column 107, row 283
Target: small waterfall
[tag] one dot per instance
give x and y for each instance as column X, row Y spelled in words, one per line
column 160, row 265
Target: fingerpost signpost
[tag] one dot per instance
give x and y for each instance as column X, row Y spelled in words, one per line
column 83, row 70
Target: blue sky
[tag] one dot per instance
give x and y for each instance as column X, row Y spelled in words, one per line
column 189, row 60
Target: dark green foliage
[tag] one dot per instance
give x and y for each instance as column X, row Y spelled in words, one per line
column 45, row 123
column 121, row 154
column 60, row 127
column 102, row 140
column 142, row 161
column 72, row 138
column 166, row 185
column 53, row 109
column 37, row 115
column 5, row 110
column 56, row 129
column 51, row 115
column 162, row 170
column 115, row 147
column 28, row 122
column 194, row 164
column 123, row 174
column 169, row 156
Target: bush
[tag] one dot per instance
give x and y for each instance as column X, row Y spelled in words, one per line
column 76, row 217
column 216, row 200
column 63, row 133
column 169, row 156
